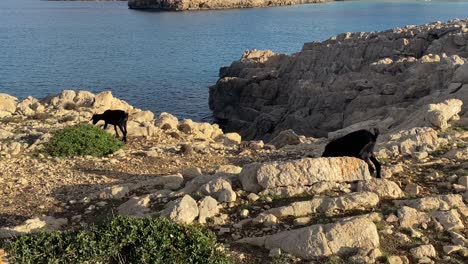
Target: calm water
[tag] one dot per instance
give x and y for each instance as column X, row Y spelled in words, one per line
column 166, row 61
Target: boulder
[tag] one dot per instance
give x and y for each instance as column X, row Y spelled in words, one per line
column 322, row 240
column 105, row 101
column 183, row 210
column 167, row 121
column 411, row 218
column 219, row 188
column 450, row 220
column 229, row 139
column 135, row 206
column 142, row 117
column 438, row 115
column 208, row 207
column 423, row 251
column 34, row 225
column 7, row 103
column 302, row 172
column 346, row 202
column 286, row 137
column 84, row 99
column 115, row 192
column 191, row 172
column 385, row 189
column 438, row 202
column 187, row 126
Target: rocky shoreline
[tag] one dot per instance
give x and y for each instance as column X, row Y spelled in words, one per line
column 183, row 5
column 265, row 201
column 362, row 79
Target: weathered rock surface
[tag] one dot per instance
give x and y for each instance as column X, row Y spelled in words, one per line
column 180, row 5
column 183, row 210
column 135, row 206
column 387, row 77
column 439, row 202
column 328, row 205
column 208, row 207
column 44, row 223
column 256, row 177
column 322, row 240
column 382, row 187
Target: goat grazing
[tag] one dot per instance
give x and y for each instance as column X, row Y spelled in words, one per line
column 359, row 144
column 114, row 117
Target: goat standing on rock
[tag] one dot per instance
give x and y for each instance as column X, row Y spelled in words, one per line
column 114, row 117
column 359, row 144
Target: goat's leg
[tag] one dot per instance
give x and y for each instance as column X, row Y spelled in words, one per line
column 371, row 167
column 116, row 132
column 105, row 126
column 377, row 165
column 124, row 132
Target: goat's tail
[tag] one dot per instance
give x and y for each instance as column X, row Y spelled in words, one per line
column 126, row 116
column 376, row 133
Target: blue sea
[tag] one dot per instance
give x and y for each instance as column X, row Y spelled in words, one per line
column 166, row 61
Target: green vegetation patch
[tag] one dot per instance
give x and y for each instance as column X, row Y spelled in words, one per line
column 82, row 140
column 123, row 240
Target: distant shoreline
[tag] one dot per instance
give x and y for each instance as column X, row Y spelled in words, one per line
column 188, row 5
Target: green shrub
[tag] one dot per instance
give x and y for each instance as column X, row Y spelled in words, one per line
column 82, row 140
column 123, row 240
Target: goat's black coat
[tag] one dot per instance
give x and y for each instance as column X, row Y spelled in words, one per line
column 359, row 144
column 118, row 118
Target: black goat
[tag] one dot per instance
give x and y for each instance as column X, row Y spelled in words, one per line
column 114, row 117
column 359, row 144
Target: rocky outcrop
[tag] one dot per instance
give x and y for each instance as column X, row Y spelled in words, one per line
column 181, row 5
column 323, row 240
column 363, row 79
column 69, row 107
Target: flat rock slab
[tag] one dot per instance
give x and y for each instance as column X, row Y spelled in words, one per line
column 327, row 205
column 322, row 240
column 256, row 177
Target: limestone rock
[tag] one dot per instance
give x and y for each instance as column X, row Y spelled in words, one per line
column 208, row 207
column 43, row 223
column 345, row 80
column 229, row 139
column 84, row 99
column 412, row 189
column 219, row 188
column 409, row 142
column 410, row 217
column 191, row 172
column 105, row 101
column 322, row 205
column 142, row 116
column 450, row 220
column 382, row 187
column 396, row 260
column 135, row 206
column 307, row 171
column 167, row 121
column 115, row 192
column 458, row 154
column 439, row 114
column 322, row 240
column 438, row 202
column 8, row 103
column 183, row 210
column 423, row 251
column 286, row 137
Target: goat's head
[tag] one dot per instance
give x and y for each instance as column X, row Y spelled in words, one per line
column 95, row 118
